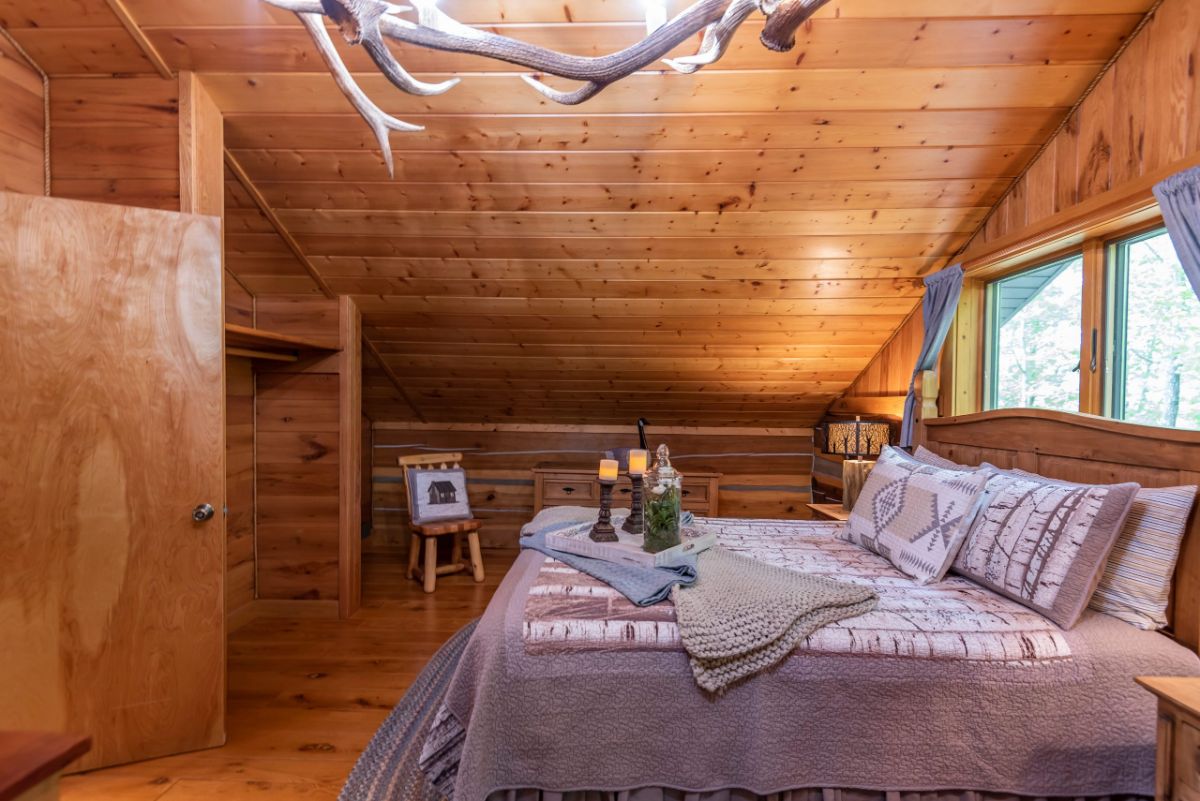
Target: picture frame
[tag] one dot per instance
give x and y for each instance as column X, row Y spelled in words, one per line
column 436, row 495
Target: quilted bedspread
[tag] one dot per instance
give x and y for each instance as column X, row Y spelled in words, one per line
column 566, row 686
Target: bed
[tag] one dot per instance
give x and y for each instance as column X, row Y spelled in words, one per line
column 566, row 689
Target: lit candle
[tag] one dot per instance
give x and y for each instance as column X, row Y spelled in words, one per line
column 637, row 462
column 608, row 469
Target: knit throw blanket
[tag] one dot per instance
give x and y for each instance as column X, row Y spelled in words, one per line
column 742, row 616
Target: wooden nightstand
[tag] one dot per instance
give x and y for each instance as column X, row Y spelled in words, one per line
column 1177, row 775
column 829, row 511
column 559, row 484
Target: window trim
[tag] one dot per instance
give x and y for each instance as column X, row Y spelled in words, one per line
column 989, row 396
column 965, row 361
column 1116, row 312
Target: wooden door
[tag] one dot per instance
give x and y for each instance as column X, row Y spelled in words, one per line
column 111, row 433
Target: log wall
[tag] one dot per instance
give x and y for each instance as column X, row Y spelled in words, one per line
column 766, row 471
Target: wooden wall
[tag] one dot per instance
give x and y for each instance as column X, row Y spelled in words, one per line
column 299, row 454
column 766, row 471
column 22, row 124
column 882, row 386
column 116, row 140
column 1143, row 116
column 239, row 484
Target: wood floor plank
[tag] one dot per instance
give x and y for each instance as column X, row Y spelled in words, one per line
column 306, row 695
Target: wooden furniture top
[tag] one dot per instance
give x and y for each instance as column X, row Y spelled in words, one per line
column 29, row 758
column 1087, row 449
column 587, row 468
column 245, row 337
column 1182, row 691
column 829, row 511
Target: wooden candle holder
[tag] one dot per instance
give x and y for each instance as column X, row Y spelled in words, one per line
column 634, row 524
column 603, row 531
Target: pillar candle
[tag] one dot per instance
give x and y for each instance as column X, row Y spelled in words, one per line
column 637, row 462
column 608, row 469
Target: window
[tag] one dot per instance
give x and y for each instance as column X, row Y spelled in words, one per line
column 1033, row 325
column 1154, row 335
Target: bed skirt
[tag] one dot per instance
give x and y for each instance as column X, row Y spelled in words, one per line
column 659, row 794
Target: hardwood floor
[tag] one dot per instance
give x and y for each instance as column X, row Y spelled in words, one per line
column 306, row 695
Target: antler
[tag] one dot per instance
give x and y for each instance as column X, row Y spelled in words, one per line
column 381, row 122
column 716, row 38
column 367, row 22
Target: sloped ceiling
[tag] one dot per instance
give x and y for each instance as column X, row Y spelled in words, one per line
column 725, row 248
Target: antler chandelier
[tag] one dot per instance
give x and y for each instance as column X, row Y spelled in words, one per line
column 369, row 22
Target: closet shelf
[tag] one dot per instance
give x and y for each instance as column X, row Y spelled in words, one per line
column 255, row 343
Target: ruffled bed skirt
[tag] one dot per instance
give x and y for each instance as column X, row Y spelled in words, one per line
column 659, row 794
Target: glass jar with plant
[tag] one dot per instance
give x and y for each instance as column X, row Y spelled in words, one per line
column 664, row 494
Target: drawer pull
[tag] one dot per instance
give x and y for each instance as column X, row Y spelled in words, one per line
column 625, row 490
column 687, row 492
column 568, row 490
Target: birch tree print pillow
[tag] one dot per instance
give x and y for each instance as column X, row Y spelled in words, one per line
column 1044, row 543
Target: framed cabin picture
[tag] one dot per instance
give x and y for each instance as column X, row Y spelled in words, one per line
column 438, row 495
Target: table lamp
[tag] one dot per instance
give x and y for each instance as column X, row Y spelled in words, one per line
column 852, row 440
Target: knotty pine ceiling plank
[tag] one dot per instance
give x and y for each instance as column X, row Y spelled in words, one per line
column 636, row 131
column 665, row 166
column 608, row 196
column 633, row 270
column 829, row 246
column 243, row 12
column 915, row 89
column 826, row 43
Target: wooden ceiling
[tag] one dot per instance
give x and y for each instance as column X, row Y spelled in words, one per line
column 730, row 247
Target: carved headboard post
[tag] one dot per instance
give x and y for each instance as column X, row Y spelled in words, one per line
column 928, row 386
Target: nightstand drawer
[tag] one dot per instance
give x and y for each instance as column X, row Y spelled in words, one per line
column 695, row 492
column 558, row 491
column 1187, row 761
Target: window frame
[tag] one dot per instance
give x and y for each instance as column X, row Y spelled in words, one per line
column 1116, row 311
column 989, row 391
column 972, row 386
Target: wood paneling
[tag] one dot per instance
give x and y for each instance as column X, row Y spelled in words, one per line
column 1142, row 117
column 112, row 434
column 772, row 194
column 884, row 384
column 239, row 483
column 765, row 471
column 22, row 124
column 297, row 457
column 116, row 140
column 307, row 455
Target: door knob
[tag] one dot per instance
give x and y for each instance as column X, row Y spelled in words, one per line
column 203, row 512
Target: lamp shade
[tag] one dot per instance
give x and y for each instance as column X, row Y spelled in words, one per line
column 858, row 437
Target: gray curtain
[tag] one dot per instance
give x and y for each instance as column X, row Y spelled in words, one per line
column 1179, row 197
column 942, row 290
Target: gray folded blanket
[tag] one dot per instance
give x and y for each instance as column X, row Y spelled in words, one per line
column 742, row 616
column 645, row 586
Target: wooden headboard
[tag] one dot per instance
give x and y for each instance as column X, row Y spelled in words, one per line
column 1096, row 450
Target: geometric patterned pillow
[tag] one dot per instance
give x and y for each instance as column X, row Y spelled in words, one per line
column 1044, row 543
column 915, row 515
column 1136, row 584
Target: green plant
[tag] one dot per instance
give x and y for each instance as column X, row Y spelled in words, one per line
column 662, row 520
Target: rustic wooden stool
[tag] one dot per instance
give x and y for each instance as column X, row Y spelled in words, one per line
column 429, row 533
